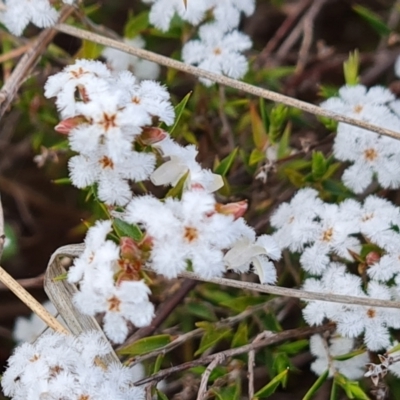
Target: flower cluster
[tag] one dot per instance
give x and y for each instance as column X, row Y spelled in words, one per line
column 60, row 366
column 371, row 155
column 328, row 236
column 17, row 14
column 103, row 124
column 220, row 45
column 109, row 283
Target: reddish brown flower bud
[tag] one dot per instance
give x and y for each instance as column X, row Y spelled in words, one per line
column 372, row 257
column 236, row 209
column 65, row 126
column 129, row 248
column 151, row 135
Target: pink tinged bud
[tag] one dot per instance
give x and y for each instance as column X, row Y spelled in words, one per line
column 372, row 257
column 236, row 209
column 151, row 135
column 128, row 248
column 65, row 126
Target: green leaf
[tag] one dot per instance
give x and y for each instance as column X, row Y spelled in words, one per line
column 61, row 181
column 351, row 68
column 161, row 395
column 61, row 277
column 272, row 385
column 214, row 294
column 241, row 336
column 256, row 156
column 223, row 167
column 330, row 171
column 211, row 337
column 89, row 50
column 373, row 20
column 177, row 191
column 122, row 228
column 293, row 348
column 347, row 356
column 232, row 392
column 145, row 345
column 334, row 391
column 283, row 147
column 179, row 111
column 352, row 388
column 329, row 123
column 239, row 304
column 136, row 25
column 157, row 364
column 277, row 117
column 260, row 136
column 264, row 115
column 319, row 165
column 296, row 178
column 201, row 310
column 317, row 384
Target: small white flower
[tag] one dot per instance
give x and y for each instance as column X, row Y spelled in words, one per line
column 258, row 253
column 162, row 11
column 227, row 12
column 120, row 60
column 19, row 13
column 218, row 51
column 295, row 221
column 181, row 161
column 353, row 368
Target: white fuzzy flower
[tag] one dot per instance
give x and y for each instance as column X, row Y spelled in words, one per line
column 111, row 176
column 62, row 366
column 258, row 253
column 359, row 102
column 162, row 11
column 227, row 12
column 295, row 221
column 186, row 230
column 120, row 60
column 373, row 321
column 218, row 51
column 19, row 13
column 335, row 280
column 352, row 368
column 331, row 236
column 64, row 84
column 181, row 161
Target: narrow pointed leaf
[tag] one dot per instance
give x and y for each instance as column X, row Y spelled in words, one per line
column 145, row 345
column 179, row 111
column 317, row 384
column 122, row 228
column 224, row 166
column 272, row 385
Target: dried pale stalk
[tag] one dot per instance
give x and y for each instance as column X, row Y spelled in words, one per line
column 223, row 80
column 31, row 302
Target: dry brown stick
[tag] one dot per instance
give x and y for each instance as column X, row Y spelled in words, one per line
column 14, row 53
column 271, row 306
column 272, row 339
column 281, row 32
column 297, row 293
column 202, row 394
column 223, row 80
column 29, row 283
column 31, row 302
column 250, row 372
column 308, row 33
column 28, row 62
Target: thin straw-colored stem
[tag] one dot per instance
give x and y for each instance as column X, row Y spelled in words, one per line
column 297, row 293
column 223, row 80
column 31, row 302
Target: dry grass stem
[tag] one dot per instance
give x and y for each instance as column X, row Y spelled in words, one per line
column 31, row 302
column 223, row 80
column 202, row 394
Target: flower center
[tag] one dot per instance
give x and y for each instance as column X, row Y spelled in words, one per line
column 191, row 234
column 106, row 162
column 370, row 154
column 327, row 235
column 358, row 108
column 371, row 313
column 113, row 304
column 217, row 51
column 108, row 121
